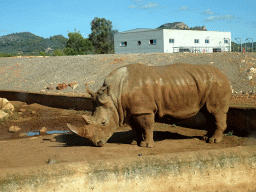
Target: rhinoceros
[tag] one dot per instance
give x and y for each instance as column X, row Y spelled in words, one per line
column 134, row 94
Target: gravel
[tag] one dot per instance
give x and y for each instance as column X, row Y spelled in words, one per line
column 35, row 74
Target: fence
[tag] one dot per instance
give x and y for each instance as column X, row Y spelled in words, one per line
column 201, row 49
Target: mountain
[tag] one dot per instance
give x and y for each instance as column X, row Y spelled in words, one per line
column 28, row 43
column 181, row 25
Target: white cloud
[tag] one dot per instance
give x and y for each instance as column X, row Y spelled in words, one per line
column 220, row 17
column 150, row 5
column 208, row 12
column 183, row 8
column 132, row 7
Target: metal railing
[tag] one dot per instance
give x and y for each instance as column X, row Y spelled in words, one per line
column 205, row 49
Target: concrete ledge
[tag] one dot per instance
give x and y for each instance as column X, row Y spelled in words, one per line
column 58, row 101
column 241, row 120
column 232, row 169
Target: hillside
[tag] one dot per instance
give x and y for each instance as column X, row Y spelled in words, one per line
column 28, row 43
column 181, row 25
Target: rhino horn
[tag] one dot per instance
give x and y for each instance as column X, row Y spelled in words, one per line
column 86, row 119
column 73, row 128
column 81, row 132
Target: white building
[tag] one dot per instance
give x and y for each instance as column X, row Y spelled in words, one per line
column 170, row 41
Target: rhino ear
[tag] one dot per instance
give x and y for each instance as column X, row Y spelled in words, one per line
column 103, row 93
column 93, row 94
column 86, row 119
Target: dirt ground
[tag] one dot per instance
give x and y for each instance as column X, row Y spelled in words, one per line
column 22, row 151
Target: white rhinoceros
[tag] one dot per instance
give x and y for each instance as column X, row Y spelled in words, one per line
column 136, row 93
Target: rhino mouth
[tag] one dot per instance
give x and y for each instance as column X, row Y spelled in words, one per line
column 99, row 144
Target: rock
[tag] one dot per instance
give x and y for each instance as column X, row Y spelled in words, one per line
column 74, row 86
column 72, row 83
column 43, row 131
column 33, row 112
column 50, row 88
column 14, row 129
column 252, row 70
column 61, row 86
column 3, row 114
column 242, row 61
column 51, row 161
column 42, row 91
column 5, row 105
column 249, row 77
column 22, row 110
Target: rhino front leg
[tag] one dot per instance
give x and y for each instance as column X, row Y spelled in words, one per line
column 143, row 125
column 221, row 125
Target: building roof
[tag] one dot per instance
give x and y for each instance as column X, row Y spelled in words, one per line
column 137, row 30
column 152, row 29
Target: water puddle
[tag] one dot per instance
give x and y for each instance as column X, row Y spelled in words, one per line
column 33, row 133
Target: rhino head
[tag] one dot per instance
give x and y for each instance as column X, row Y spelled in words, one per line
column 104, row 122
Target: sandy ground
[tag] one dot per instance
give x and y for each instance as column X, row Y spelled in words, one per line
column 26, row 151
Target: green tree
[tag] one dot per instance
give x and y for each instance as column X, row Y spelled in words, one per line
column 77, row 45
column 102, row 35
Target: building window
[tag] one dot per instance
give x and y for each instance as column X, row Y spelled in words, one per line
column 171, row 40
column 226, row 41
column 123, row 44
column 207, row 40
column 196, row 40
column 139, row 42
column 152, row 41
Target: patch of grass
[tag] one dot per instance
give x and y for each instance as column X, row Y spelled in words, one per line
column 230, row 133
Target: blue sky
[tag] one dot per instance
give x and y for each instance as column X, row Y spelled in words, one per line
column 53, row 17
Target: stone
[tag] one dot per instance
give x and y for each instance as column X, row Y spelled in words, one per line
column 33, row 112
column 74, row 86
column 72, row 83
column 3, row 114
column 62, row 86
column 50, row 88
column 43, row 131
column 249, row 77
column 22, row 110
column 5, row 105
column 252, row 70
column 14, row 129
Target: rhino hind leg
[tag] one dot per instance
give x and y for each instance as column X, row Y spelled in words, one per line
column 143, row 126
column 221, row 125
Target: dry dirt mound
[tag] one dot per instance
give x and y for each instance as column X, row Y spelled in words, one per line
column 43, row 74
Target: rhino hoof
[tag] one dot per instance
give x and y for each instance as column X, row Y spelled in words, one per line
column 214, row 140
column 134, row 142
column 145, row 144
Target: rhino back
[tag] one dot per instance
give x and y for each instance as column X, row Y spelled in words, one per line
column 179, row 90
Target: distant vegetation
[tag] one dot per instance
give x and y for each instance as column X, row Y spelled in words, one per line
column 26, row 43
column 247, row 46
column 100, row 41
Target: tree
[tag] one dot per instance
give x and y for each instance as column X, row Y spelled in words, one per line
column 77, row 45
column 102, row 35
